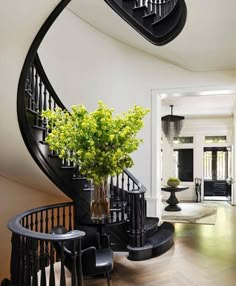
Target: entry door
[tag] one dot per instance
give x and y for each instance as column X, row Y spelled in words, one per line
column 216, row 171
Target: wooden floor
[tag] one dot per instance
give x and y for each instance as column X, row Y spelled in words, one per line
column 203, row 255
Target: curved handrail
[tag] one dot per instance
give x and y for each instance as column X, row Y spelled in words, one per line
column 15, row 226
column 35, row 249
column 142, row 188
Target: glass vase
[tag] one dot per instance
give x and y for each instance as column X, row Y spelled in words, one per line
column 100, row 201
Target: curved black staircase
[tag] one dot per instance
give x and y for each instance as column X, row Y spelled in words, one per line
column 159, row 21
column 137, row 233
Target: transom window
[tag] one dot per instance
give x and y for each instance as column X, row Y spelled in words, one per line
column 215, row 139
column 183, row 140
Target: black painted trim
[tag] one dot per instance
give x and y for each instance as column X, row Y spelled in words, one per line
column 30, row 143
column 146, row 33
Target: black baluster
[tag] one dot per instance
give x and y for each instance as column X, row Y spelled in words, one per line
column 31, row 222
column 63, row 217
column 36, row 91
column 27, row 222
column 40, row 103
column 44, row 120
column 79, row 261
column 41, row 221
column 34, row 262
column 62, row 278
column 27, row 263
column 50, row 102
column 128, row 184
column 74, row 280
column 149, row 6
column 111, row 191
column 142, row 218
column 58, row 216
column 13, row 269
column 42, row 264
column 117, row 188
column 133, row 222
column 36, row 221
column 122, row 186
column 51, row 271
column 27, row 89
column 154, row 4
column 52, row 217
column 137, row 219
column 22, row 222
column 46, row 242
column 21, row 259
column 32, row 88
column 70, row 217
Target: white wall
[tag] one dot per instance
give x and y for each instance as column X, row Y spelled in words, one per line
column 85, row 65
column 198, row 128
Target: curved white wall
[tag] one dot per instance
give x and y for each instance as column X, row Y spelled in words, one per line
column 85, row 65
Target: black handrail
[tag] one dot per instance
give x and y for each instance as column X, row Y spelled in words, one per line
column 141, row 187
column 16, row 227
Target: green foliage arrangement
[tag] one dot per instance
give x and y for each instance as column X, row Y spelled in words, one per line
column 98, row 142
column 173, row 182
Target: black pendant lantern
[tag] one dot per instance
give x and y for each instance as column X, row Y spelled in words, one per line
column 172, row 125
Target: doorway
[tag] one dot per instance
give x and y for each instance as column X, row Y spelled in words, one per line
column 217, row 173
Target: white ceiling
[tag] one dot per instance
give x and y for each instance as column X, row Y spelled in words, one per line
column 193, row 106
column 207, row 42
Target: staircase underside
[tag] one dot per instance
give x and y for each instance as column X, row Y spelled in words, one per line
column 158, row 23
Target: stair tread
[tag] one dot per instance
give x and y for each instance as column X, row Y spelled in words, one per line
column 140, row 8
column 39, row 127
column 150, row 221
column 165, row 232
column 149, row 15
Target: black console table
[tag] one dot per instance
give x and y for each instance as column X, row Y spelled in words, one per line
column 172, row 200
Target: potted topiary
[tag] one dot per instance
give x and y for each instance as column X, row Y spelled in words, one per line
column 98, row 142
column 173, row 182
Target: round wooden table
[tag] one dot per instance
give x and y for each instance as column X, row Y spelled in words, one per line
column 172, row 200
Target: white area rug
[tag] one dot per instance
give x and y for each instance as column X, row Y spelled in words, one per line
column 202, row 213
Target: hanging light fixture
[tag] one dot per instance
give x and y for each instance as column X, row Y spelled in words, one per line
column 172, row 125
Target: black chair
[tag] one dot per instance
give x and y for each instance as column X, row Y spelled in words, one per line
column 97, row 257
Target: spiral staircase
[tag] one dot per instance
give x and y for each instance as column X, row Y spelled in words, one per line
column 143, row 237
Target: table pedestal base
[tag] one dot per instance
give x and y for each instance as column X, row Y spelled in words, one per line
column 171, row 208
column 172, row 201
